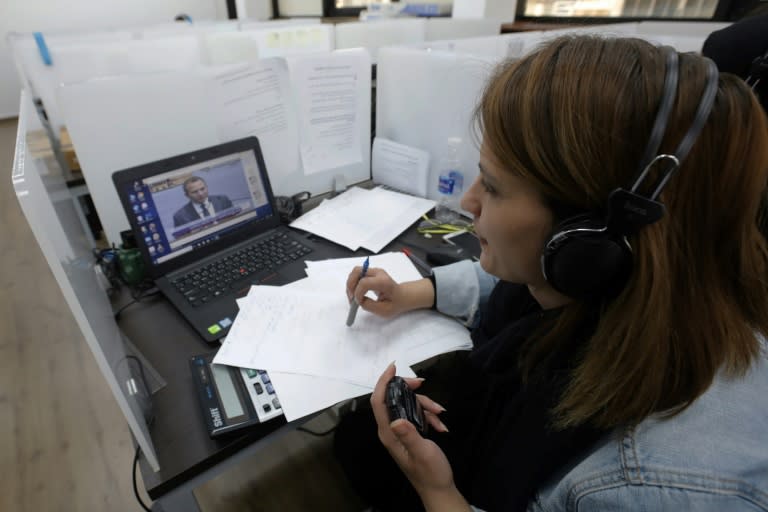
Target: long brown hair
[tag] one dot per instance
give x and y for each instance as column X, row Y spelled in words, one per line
column 574, row 118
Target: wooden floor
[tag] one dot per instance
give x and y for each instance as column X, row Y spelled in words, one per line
column 64, row 444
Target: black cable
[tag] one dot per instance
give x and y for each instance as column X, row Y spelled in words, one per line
column 135, row 485
column 149, row 421
column 138, row 295
column 317, row 434
column 117, row 313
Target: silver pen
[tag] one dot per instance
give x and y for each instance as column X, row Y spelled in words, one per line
column 354, row 305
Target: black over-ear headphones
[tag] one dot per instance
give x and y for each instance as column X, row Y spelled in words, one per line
column 588, row 256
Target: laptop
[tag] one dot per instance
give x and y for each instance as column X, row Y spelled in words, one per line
column 207, row 225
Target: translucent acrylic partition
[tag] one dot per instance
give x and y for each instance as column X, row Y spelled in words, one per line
column 128, row 120
column 284, row 41
column 425, row 97
column 49, row 209
column 39, row 79
column 246, row 25
column 451, row 28
column 377, row 34
column 92, row 55
column 683, row 28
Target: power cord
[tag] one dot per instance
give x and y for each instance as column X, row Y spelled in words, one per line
column 138, row 294
column 135, row 485
column 150, row 420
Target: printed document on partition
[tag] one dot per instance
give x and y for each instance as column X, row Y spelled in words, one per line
column 329, row 91
column 255, row 99
column 400, row 167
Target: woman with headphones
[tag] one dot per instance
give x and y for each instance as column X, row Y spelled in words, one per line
column 619, row 308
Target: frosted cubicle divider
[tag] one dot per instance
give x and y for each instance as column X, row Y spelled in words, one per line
column 268, row 25
column 376, row 34
column 679, row 43
column 425, row 97
column 438, row 29
column 121, row 122
column 680, row 28
column 177, row 28
column 498, row 47
column 76, row 60
column 283, row 41
column 48, row 207
column 39, row 79
column 221, row 48
column 607, row 29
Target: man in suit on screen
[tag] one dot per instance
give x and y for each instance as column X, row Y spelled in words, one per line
column 200, row 204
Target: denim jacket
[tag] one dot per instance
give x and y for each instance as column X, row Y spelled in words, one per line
column 711, row 457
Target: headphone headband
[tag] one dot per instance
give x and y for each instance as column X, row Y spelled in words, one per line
column 628, row 210
column 665, row 109
column 588, row 256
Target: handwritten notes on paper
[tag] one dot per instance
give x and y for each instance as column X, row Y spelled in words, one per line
column 266, row 335
column 364, row 218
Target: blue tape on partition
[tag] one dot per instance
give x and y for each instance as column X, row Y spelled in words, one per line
column 43, row 48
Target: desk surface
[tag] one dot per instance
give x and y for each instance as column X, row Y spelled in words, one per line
column 179, row 433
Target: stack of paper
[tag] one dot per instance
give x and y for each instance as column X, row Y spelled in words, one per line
column 298, row 333
column 364, row 218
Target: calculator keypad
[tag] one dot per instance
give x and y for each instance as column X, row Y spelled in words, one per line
column 262, row 393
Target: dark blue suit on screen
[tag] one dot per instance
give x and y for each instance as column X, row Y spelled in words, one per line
column 191, row 213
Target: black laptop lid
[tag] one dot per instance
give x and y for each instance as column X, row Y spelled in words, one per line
column 187, row 207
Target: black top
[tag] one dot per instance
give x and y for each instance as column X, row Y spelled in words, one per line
column 735, row 48
column 503, row 446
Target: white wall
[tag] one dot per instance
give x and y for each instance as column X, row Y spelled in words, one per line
column 72, row 15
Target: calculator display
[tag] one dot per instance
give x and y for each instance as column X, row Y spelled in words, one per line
column 230, row 400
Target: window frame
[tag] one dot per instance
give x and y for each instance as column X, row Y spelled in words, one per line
column 726, row 10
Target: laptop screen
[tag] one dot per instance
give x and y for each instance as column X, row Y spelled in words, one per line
column 186, row 209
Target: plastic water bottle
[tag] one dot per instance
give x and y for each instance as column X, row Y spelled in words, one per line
column 450, row 184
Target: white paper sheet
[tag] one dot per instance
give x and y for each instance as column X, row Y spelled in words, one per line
column 364, row 218
column 301, row 329
column 301, row 395
column 401, row 167
column 255, row 99
column 335, row 271
column 327, row 91
column 328, row 219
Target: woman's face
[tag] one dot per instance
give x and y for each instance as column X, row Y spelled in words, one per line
column 511, row 221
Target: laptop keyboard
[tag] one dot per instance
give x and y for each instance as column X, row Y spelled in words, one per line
column 231, row 272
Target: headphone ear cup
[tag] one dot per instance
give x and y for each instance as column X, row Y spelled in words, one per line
column 582, row 260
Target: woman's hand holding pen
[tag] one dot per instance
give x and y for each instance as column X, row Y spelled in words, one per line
column 423, row 462
column 392, row 298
